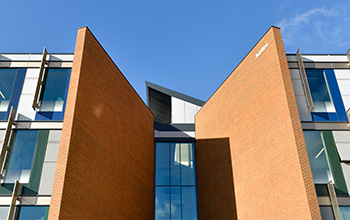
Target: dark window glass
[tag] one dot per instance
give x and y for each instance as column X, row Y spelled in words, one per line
column 189, row 203
column 54, row 90
column 32, row 213
column 162, row 205
column 21, row 156
column 320, row 91
column 7, row 80
column 327, row 212
column 162, row 164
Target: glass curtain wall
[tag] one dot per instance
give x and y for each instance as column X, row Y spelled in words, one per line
column 175, row 178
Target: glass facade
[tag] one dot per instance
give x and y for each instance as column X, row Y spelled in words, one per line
column 320, row 92
column 7, row 81
column 24, row 161
column 32, row 213
column 53, row 94
column 175, row 178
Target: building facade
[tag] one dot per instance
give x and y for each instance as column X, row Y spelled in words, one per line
column 272, row 142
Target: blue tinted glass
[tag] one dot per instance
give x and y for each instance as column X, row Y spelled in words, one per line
column 319, row 91
column 188, row 176
column 33, row 213
column 318, row 157
column 175, row 163
column 189, row 203
column 7, row 79
column 21, row 156
column 3, row 212
column 175, row 207
column 162, row 164
column 162, row 206
column 54, row 90
column 345, row 212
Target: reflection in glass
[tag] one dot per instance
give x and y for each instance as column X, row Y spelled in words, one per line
column 162, row 164
column 318, row 157
column 7, row 80
column 320, row 93
column 32, row 213
column 175, row 207
column 3, row 212
column 345, row 212
column 175, row 163
column 189, row 203
column 54, row 90
column 162, row 206
column 21, row 156
column 187, row 164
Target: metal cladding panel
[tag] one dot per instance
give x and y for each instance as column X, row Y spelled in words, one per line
column 160, row 106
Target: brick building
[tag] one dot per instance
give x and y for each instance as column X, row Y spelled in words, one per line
column 272, row 142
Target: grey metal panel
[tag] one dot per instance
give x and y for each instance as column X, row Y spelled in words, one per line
column 160, row 105
column 47, row 178
column 173, row 127
column 173, row 93
column 325, row 126
column 319, row 65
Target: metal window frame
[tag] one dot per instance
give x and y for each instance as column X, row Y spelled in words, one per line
column 334, row 201
column 6, row 140
column 304, row 81
column 40, row 79
column 14, row 200
column 348, row 56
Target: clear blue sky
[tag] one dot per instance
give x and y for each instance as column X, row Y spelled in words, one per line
column 190, row 46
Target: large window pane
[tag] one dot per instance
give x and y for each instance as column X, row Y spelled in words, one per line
column 162, row 164
column 175, row 208
column 189, row 203
column 162, row 206
column 320, row 91
column 7, row 80
column 54, row 90
column 32, row 213
column 21, row 156
column 175, row 163
column 187, row 164
column 318, row 157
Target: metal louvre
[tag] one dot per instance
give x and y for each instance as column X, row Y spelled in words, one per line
column 6, row 139
column 304, row 81
column 334, row 201
column 40, row 79
column 13, row 202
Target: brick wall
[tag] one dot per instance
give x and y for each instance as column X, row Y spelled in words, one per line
column 105, row 163
column 255, row 109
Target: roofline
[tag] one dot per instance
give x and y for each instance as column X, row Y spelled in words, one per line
column 173, row 93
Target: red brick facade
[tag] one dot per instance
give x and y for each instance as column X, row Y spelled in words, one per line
column 105, row 163
column 255, row 111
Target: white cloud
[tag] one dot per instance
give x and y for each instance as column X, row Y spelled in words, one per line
column 326, row 27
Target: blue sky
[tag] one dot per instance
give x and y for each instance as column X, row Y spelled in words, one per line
column 190, row 46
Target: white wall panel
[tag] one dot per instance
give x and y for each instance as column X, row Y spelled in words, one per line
column 25, row 109
column 343, row 79
column 190, row 111
column 177, row 110
column 325, row 58
column 47, row 178
column 346, row 172
column 342, row 141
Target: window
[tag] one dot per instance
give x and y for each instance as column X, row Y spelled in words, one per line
column 11, row 83
column 53, row 94
column 175, row 190
column 325, row 162
column 328, row 104
column 24, row 161
column 32, row 213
